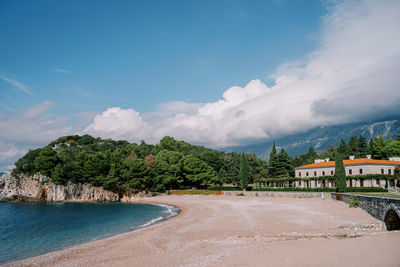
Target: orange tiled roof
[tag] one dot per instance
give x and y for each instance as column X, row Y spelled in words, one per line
column 350, row 162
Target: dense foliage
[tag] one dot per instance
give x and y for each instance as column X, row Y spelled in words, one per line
column 121, row 166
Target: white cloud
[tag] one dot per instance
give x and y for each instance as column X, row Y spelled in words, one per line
column 118, row 123
column 10, row 151
column 62, row 71
column 353, row 76
column 32, row 125
column 20, row 86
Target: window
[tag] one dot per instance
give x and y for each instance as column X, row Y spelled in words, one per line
column 299, row 174
column 350, row 172
column 382, row 171
column 361, row 171
column 389, row 171
column 315, row 173
column 331, row 172
column 377, row 181
column 323, row 173
column 306, row 173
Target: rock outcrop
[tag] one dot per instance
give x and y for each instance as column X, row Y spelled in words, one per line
column 40, row 188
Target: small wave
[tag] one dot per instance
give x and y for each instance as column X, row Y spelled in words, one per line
column 152, row 221
column 171, row 211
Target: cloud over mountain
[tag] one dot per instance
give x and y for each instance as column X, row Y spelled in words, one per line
column 352, row 76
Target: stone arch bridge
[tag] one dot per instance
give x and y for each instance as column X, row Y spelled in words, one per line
column 385, row 209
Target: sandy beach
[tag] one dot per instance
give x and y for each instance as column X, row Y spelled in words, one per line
column 242, row 231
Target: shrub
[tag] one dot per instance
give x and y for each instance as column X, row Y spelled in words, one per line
column 352, row 201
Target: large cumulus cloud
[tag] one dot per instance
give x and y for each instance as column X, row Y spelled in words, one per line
column 352, row 76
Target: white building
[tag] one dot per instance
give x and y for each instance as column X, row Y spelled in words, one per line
column 352, row 167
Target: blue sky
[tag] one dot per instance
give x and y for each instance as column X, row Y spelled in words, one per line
column 214, row 73
column 143, row 53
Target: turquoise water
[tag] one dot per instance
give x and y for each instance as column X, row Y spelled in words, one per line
column 31, row 229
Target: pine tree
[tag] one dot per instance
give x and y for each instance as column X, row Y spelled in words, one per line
column 362, row 147
column 340, row 174
column 352, row 147
column 377, row 146
column 283, row 166
column 342, row 148
column 243, row 172
column 311, row 155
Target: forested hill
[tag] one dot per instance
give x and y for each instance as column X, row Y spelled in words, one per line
column 121, row 166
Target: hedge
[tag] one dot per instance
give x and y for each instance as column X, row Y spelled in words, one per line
column 358, row 177
column 320, row 189
column 295, row 189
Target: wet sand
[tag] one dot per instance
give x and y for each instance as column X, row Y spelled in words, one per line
column 242, row 231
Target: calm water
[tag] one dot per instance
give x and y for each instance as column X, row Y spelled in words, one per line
column 31, row 229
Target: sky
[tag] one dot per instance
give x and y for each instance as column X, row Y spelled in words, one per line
column 213, row 73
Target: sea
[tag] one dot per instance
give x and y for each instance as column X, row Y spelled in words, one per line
column 31, row 229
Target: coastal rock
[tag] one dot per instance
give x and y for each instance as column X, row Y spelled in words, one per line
column 130, row 197
column 40, row 188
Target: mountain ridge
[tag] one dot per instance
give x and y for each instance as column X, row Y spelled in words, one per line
column 322, row 137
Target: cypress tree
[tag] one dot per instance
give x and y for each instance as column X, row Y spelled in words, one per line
column 342, row 148
column 340, row 174
column 273, row 161
column 362, row 147
column 243, row 172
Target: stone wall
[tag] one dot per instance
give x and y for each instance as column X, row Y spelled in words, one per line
column 378, row 207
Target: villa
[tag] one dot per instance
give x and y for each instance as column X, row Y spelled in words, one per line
column 363, row 166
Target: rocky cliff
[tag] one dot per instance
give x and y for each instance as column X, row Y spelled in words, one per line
column 40, row 188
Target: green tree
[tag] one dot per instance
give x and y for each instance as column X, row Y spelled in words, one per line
column 168, row 166
column 340, row 174
column 222, row 175
column 26, row 164
column 352, row 147
column 197, row 172
column 273, row 161
column 58, row 175
column 234, row 166
column 133, row 174
column 391, row 149
column 342, row 149
column 377, row 147
column 362, row 147
column 243, row 172
column 46, row 160
column 284, row 168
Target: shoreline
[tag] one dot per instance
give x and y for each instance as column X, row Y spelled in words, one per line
column 224, row 231
column 150, row 223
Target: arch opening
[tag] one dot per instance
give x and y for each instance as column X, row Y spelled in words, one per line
column 392, row 221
